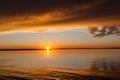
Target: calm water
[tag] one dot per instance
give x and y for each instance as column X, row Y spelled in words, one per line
column 60, row 58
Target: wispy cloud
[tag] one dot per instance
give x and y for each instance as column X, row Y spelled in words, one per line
column 104, row 31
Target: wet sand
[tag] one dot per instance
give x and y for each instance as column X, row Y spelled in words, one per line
column 47, row 73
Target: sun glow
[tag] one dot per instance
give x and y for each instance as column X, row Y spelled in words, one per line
column 48, row 47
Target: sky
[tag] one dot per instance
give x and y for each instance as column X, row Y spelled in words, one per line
column 72, row 38
column 59, row 23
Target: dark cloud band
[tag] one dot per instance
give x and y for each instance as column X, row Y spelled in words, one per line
column 28, row 14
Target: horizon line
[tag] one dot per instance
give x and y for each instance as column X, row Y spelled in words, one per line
column 55, row 49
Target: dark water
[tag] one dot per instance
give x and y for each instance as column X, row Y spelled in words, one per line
column 82, row 58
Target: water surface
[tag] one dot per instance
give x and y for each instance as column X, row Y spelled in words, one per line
column 60, row 58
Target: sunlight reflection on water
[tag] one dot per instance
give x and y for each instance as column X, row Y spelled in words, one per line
column 59, row 58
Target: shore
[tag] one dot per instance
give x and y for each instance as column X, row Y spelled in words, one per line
column 53, row 73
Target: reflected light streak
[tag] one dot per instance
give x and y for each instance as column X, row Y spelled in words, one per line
column 48, row 50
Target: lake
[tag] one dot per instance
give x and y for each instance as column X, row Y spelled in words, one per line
column 74, row 58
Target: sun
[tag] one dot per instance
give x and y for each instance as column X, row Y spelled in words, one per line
column 47, row 47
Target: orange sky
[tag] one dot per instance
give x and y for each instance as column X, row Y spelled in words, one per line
column 59, row 23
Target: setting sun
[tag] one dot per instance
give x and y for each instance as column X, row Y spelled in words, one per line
column 48, row 47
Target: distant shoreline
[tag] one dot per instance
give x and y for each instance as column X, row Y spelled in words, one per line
column 53, row 49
